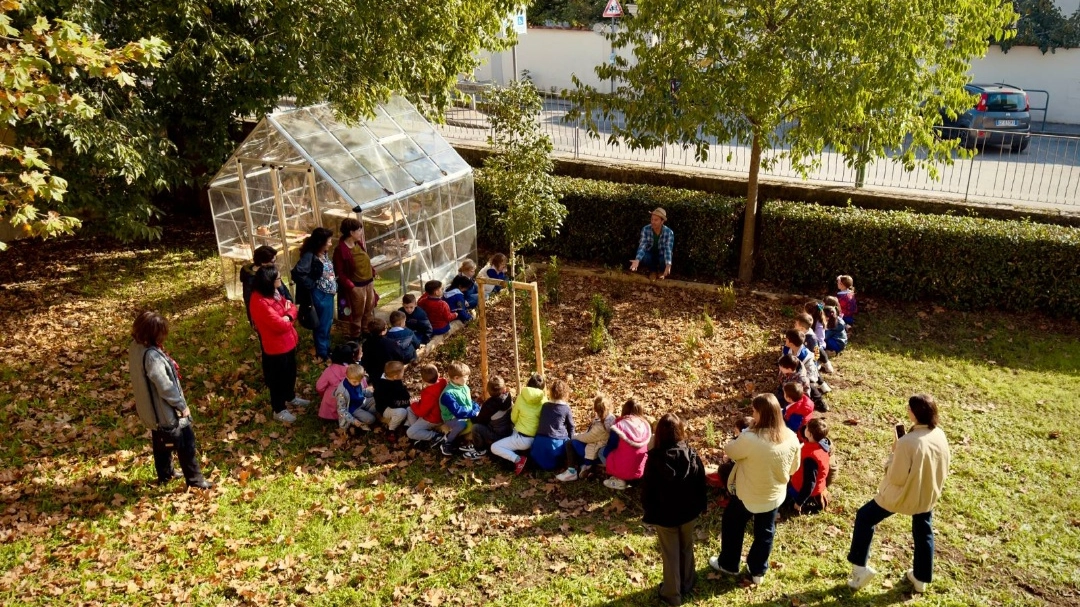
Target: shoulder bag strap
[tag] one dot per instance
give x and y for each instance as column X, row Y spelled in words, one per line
column 150, row 388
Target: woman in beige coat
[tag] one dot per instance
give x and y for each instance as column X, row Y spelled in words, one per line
column 914, row 477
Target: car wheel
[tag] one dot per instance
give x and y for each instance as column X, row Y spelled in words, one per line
column 1021, row 145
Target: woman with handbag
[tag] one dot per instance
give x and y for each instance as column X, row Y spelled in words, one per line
column 316, row 284
column 274, row 316
column 765, row 456
column 159, row 401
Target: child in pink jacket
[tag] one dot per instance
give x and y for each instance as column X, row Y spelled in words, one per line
column 628, row 446
column 340, row 359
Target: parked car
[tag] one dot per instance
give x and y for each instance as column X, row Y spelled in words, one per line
column 1001, row 117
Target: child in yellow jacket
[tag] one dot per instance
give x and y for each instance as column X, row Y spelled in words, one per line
column 526, row 417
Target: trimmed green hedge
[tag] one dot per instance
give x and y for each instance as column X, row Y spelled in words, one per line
column 604, row 220
column 958, row 262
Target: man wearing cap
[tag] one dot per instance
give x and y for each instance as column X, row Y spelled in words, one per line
column 654, row 247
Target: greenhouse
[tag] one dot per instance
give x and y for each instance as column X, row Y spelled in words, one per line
column 304, row 168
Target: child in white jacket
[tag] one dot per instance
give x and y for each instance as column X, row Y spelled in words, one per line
column 584, row 448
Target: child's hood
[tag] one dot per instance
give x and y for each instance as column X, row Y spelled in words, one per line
column 634, row 430
column 531, row 397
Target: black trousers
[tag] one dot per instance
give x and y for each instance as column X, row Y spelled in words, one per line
column 279, row 373
column 183, row 440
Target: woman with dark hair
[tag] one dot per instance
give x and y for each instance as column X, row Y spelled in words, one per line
column 355, row 276
column 766, row 455
column 316, row 284
column 673, row 496
column 274, row 317
column 914, row 478
column 159, row 401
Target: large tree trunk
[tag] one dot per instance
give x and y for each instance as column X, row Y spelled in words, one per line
column 746, row 257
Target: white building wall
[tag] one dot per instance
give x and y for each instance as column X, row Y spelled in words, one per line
column 1027, row 67
column 552, row 56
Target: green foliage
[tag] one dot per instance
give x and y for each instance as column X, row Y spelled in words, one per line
column 455, row 348
column 959, row 262
column 172, row 125
column 55, row 112
column 601, row 311
column 575, row 13
column 599, row 339
column 708, row 325
column 604, row 220
column 692, row 342
column 727, row 296
column 552, row 280
column 517, row 176
column 1042, row 24
column 711, row 439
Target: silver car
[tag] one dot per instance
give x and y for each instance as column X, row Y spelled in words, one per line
column 1001, row 117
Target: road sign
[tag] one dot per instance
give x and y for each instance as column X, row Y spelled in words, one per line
column 612, row 9
column 520, row 25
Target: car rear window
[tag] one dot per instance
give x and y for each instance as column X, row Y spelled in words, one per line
column 1005, row 102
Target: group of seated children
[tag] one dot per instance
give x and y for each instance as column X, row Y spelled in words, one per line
column 536, row 427
column 437, row 308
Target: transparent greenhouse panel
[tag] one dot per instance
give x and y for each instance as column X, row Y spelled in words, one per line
column 395, row 179
column 464, row 216
column 431, row 143
column 450, row 162
column 342, row 167
column 355, row 138
column 364, row 190
column 321, row 145
column 298, row 123
column 466, row 243
column 403, row 150
column 424, row 170
column 230, row 227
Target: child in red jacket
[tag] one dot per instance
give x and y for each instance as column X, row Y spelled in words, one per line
column 807, row 490
column 438, row 311
column 425, row 418
column 799, row 409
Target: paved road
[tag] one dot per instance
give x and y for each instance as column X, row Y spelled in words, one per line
column 1045, row 176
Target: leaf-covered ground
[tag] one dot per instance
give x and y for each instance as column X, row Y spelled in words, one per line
column 302, row 515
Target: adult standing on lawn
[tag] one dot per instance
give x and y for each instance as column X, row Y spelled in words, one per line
column 159, row 401
column 274, row 317
column 355, row 276
column 316, row 285
column 655, row 246
column 914, row 477
column 766, row 455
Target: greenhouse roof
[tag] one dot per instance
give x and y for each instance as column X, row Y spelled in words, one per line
column 386, row 156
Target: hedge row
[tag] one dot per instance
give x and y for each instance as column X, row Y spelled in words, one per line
column 959, row 262
column 604, row 220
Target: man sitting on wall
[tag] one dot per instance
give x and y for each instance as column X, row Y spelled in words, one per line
column 655, row 245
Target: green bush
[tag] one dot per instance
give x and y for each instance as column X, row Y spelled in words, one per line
column 604, row 220
column 959, row 262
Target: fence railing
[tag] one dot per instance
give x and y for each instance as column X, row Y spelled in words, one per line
column 1046, row 173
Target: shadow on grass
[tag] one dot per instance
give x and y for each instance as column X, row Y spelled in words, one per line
column 706, row 589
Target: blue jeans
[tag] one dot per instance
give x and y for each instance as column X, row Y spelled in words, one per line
column 652, row 261
column 324, row 307
column 732, row 530
column 922, row 531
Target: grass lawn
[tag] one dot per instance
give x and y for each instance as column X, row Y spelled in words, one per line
column 302, row 515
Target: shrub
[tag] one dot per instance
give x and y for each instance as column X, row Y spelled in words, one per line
column 708, row 326
column 455, row 348
column 601, row 311
column 727, row 295
column 552, row 280
column 599, row 339
column 959, row 262
column 604, row 220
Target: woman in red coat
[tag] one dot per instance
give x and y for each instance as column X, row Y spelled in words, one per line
column 274, row 317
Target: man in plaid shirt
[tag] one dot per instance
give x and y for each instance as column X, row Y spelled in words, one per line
column 654, row 247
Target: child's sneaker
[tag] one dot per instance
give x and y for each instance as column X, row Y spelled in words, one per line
column 567, row 475
column 617, row 484
column 519, row 467
column 860, row 576
column 473, row 454
column 828, row 368
column 757, row 579
column 284, row 416
column 825, row 388
column 446, row 449
column 920, row 587
column 437, row 441
column 299, row 402
column 714, row 562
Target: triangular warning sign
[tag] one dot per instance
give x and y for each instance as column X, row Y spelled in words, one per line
column 612, row 9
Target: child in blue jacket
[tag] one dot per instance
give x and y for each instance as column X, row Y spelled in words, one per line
column 416, row 319
column 458, row 408
column 406, row 340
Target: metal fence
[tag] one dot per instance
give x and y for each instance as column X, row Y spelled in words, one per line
column 1045, row 175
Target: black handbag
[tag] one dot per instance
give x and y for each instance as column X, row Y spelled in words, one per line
column 309, row 318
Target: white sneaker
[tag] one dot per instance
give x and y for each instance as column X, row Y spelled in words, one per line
column 568, row 475
column 299, row 402
column 828, row 368
column 757, row 579
column 714, row 562
column 860, row 576
column 284, row 416
column 825, row 389
column 617, row 484
column 919, row 586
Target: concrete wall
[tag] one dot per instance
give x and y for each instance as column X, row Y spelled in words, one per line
column 553, row 55
column 1027, row 67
